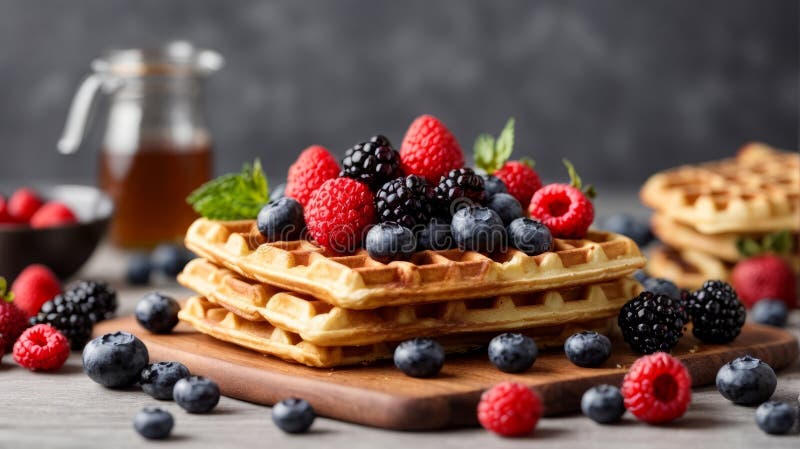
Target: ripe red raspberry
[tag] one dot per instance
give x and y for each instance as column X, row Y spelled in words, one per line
column 520, row 179
column 41, row 348
column 657, row 389
column 339, row 213
column 564, row 209
column 314, row 166
column 5, row 216
column 53, row 214
column 33, row 287
column 765, row 276
column 23, row 204
column 429, row 150
column 509, row 409
column 12, row 320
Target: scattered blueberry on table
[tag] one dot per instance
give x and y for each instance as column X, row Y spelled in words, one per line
column 746, row 380
column 196, row 394
column 115, row 360
column 293, row 415
column 587, row 349
column 776, row 418
column 153, row 423
column 419, row 357
column 512, row 352
column 603, row 404
column 157, row 313
column 159, row 379
column 772, row 312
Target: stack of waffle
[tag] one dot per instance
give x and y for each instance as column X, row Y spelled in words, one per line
column 296, row 301
column 702, row 211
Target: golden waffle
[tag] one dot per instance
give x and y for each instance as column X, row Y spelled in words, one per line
column 320, row 323
column 360, row 282
column 757, row 191
column 687, row 268
column 262, row 337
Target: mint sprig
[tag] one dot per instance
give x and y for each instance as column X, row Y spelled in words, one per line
column 5, row 296
column 490, row 153
column 575, row 180
column 778, row 242
column 235, row 196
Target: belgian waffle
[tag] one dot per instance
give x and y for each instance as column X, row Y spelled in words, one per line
column 264, row 338
column 757, row 191
column 322, row 324
column 687, row 268
column 360, row 282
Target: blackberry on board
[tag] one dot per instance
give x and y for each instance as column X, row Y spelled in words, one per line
column 716, row 312
column 373, row 162
column 406, row 201
column 652, row 323
column 68, row 317
column 457, row 186
column 96, row 299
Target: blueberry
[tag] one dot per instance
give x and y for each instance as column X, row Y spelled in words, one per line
column 776, row 418
column 419, row 357
column 169, row 259
column 115, row 360
column 661, row 286
column 293, row 415
column 627, row 225
column 138, row 270
column 640, row 276
column 157, row 313
column 588, row 349
column 479, row 229
column 390, row 241
column 603, row 404
column 159, row 379
column 512, row 353
column 746, row 380
column 530, row 236
column 153, row 423
column 281, row 220
column 196, row 394
column 506, row 206
column 435, row 236
column 493, row 185
column 772, row 312
column 277, row 192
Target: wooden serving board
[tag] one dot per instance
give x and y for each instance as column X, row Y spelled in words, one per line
column 382, row 396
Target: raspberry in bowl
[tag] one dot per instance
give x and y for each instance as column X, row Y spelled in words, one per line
column 57, row 226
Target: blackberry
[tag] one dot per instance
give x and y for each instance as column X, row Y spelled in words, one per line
column 458, row 188
column 717, row 314
column 96, row 299
column 68, row 317
column 406, row 201
column 373, row 163
column 652, row 323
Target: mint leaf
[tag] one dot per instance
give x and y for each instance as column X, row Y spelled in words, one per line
column 489, row 153
column 235, row 196
column 505, row 143
column 575, row 180
column 778, row 242
column 748, row 247
column 484, row 153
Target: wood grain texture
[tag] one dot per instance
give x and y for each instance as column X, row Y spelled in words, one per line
column 382, row 396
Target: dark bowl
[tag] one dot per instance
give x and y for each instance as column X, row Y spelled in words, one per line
column 65, row 249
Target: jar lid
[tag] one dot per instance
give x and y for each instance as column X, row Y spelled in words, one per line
column 177, row 58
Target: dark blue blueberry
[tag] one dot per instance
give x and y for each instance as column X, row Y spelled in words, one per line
column 435, row 236
column 115, row 360
column 512, row 353
column 277, row 192
column 530, row 236
column 138, row 270
column 772, row 312
column 640, row 276
column 637, row 230
column 419, row 357
column 157, row 313
column 506, row 206
column 478, row 229
column 159, row 379
column 169, row 259
column 776, row 418
column 661, row 286
column 390, row 241
column 281, row 220
column 153, row 423
column 603, row 404
column 746, row 380
column 493, row 185
column 293, row 415
column 588, row 349
column 196, row 394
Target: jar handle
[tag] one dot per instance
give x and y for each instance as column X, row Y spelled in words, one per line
column 81, row 110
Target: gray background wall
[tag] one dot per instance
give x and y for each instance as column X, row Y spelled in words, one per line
column 622, row 87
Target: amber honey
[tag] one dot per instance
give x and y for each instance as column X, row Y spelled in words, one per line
column 150, row 188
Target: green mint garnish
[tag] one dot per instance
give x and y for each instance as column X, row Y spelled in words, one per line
column 235, row 196
column 778, row 242
column 575, row 180
column 490, row 153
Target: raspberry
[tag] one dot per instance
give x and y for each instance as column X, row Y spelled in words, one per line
column 339, row 213
column 373, row 163
column 33, row 287
column 765, row 276
column 564, row 209
column 429, row 150
column 314, row 166
column 5, row 216
column 406, row 201
column 509, row 409
column 12, row 319
column 41, row 348
column 657, row 389
column 23, row 204
column 520, row 179
column 52, row 214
